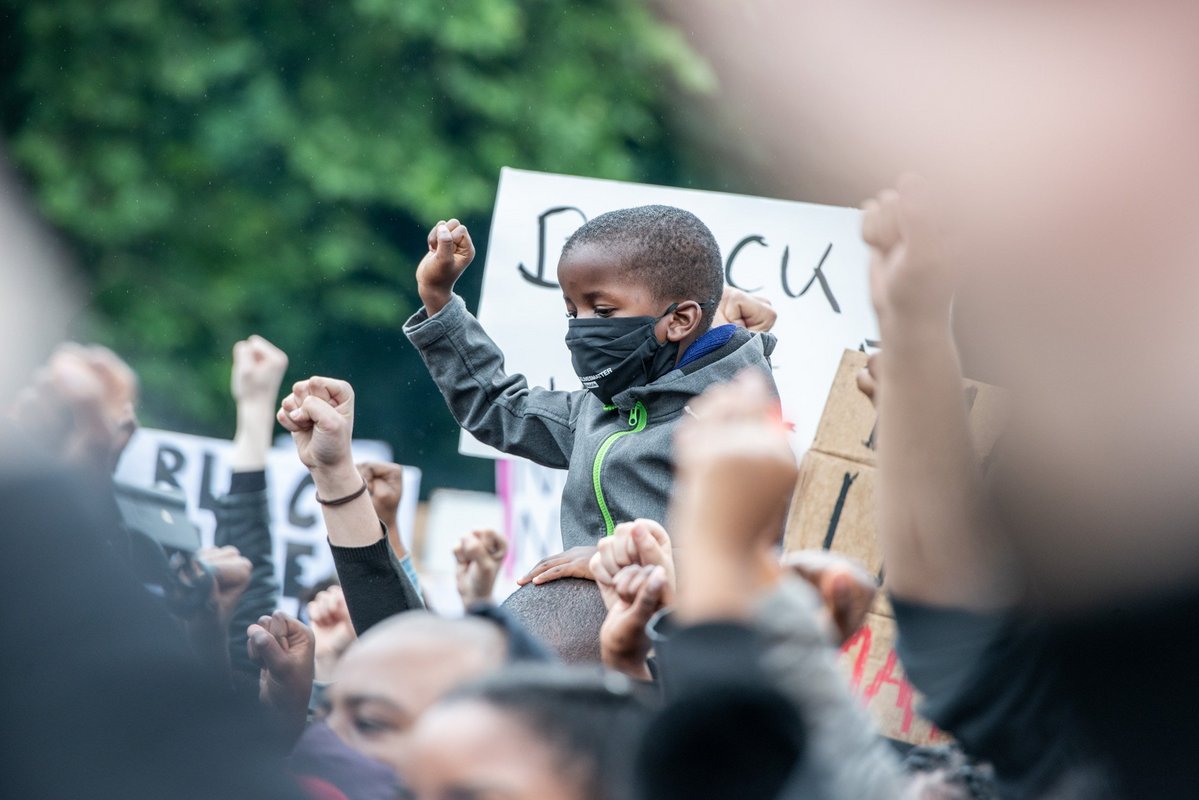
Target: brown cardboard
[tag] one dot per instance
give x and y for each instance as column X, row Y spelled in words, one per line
column 876, row 676
column 848, row 426
column 833, row 509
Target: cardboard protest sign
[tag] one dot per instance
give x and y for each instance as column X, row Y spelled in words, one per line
column 848, row 428
column 200, row 467
column 834, row 509
column 876, row 676
column 808, row 260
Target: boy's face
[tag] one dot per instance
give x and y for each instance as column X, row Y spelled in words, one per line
column 595, row 283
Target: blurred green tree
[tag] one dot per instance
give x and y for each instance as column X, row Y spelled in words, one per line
column 224, row 167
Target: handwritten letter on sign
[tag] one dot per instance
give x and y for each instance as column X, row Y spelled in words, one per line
column 808, row 260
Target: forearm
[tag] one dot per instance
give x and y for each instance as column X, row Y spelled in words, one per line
column 938, row 542
column 252, row 441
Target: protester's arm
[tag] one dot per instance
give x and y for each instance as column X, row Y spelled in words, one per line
column 243, row 516
column 385, row 485
column 320, row 415
column 329, row 618
column 939, row 544
column 501, row 410
column 736, row 477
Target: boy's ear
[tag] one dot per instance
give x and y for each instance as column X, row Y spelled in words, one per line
column 684, row 321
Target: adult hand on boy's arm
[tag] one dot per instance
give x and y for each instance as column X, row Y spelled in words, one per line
column 450, row 253
column 939, row 542
column 574, row 563
column 319, row 412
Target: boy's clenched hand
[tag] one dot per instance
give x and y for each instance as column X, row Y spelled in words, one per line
column 450, row 253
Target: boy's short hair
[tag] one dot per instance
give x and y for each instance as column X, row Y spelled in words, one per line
column 664, row 248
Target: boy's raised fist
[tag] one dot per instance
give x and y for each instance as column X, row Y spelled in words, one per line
column 450, row 253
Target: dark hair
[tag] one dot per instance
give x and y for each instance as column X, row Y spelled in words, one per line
column 664, row 248
column 565, row 614
column 592, row 720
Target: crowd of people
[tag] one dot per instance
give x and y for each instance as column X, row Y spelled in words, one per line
column 671, row 651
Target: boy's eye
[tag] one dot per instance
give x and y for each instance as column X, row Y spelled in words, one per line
column 605, row 312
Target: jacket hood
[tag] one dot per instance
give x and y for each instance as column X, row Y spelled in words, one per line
column 676, row 388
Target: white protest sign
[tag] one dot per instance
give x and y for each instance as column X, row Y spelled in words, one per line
column 200, row 467
column 808, row 260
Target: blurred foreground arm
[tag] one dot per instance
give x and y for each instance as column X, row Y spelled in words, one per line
column 939, row 543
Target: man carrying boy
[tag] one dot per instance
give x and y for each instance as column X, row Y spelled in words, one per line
column 641, row 287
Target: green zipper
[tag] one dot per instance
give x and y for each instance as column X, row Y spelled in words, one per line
column 638, row 418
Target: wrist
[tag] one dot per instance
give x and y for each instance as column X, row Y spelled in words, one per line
column 635, row 665
column 336, row 480
column 434, row 298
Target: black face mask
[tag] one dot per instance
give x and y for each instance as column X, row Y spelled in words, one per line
column 617, row 353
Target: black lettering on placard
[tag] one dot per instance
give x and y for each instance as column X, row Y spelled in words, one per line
column 728, row 265
column 292, row 569
column 873, row 344
column 871, row 441
column 538, row 278
column 818, row 276
column 207, row 498
column 168, row 463
column 294, row 517
column 835, row 518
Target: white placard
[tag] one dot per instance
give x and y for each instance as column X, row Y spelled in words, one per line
column 808, row 260
column 200, row 466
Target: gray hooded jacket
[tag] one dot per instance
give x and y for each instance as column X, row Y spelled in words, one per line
column 619, row 461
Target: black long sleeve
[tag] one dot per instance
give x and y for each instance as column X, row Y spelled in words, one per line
column 244, row 521
column 374, row 583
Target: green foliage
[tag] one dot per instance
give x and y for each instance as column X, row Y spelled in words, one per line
column 227, row 167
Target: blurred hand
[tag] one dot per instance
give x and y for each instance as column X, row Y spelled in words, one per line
column 231, row 577
column 736, row 475
column 283, row 648
column 81, row 406
column 639, row 593
column 912, row 278
column 258, row 368
column 745, row 310
column 847, row 589
column 450, row 253
column 332, row 629
column 642, row 542
column 574, row 563
column 385, row 482
column 479, row 555
column 319, row 412
column 868, row 379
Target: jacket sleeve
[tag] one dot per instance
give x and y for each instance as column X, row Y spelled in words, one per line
column 374, row 584
column 847, row 757
column 243, row 520
column 499, row 409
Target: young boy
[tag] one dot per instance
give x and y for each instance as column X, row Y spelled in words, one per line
column 641, row 287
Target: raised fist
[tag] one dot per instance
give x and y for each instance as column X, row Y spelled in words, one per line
column 745, row 310
column 450, row 253
column 258, row 368
column 319, row 412
column 385, row 482
column 642, row 542
column 639, row 593
column 479, row 555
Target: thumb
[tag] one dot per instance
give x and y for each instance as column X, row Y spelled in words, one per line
column 649, row 598
column 264, row 648
column 445, row 242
